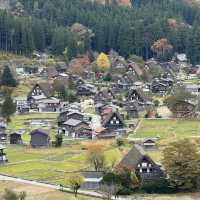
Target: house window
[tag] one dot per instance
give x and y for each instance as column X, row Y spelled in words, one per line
column 111, row 121
column 117, row 122
column 144, row 164
column 144, row 170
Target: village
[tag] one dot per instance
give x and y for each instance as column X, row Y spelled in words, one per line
column 65, row 110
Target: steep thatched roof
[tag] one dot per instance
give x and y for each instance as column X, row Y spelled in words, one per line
column 134, row 157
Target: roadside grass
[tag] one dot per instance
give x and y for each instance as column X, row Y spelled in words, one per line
column 38, row 192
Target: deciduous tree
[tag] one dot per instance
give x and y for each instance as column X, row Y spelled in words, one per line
column 96, row 156
column 181, row 161
column 75, row 182
column 103, row 63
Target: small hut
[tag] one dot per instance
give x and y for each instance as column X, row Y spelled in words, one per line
column 3, row 157
column 16, row 138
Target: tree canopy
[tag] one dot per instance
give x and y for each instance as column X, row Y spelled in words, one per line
column 181, row 162
column 127, row 30
column 7, row 78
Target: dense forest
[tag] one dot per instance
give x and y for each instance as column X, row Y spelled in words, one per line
column 42, row 24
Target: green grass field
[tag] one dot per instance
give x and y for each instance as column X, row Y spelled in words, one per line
column 22, row 122
column 164, row 129
column 167, row 131
column 52, row 165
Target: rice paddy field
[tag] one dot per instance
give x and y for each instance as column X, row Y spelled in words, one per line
column 54, row 165
column 165, row 131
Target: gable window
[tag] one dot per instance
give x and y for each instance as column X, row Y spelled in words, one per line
column 144, row 164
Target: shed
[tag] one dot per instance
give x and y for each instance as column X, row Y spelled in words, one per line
column 39, row 138
column 3, row 157
column 92, row 180
column 16, row 138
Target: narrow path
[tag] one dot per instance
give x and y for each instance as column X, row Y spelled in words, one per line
column 56, row 187
column 138, row 126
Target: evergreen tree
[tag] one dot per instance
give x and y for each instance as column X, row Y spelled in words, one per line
column 7, row 78
column 59, row 140
column 8, row 108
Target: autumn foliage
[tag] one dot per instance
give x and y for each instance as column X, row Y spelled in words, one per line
column 103, row 62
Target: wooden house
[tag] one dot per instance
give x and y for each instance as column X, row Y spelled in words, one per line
column 104, row 133
column 49, row 72
column 131, row 110
column 40, row 91
column 136, row 95
column 149, row 143
column 134, row 67
column 159, row 87
column 49, row 105
column 22, row 105
column 127, row 80
column 86, row 90
column 99, row 107
column 112, row 120
column 69, row 114
column 88, row 75
column 3, row 157
column 39, row 138
column 61, row 67
column 16, row 138
column 167, row 80
column 72, row 127
column 79, row 82
column 104, row 96
column 193, row 88
column 83, row 132
column 3, row 134
column 141, row 163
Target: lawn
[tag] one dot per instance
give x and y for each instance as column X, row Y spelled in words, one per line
column 53, row 165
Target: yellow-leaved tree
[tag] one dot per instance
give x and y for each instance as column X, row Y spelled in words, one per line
column 103, row 62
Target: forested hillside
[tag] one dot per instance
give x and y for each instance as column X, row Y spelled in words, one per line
column 127, row 30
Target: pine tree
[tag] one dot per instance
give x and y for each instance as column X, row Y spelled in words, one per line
column 7, row 78
column 8, row 108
